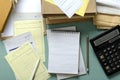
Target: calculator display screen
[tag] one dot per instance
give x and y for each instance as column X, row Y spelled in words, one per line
column 106, row 37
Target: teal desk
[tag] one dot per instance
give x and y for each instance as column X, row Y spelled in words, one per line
column 5, row 71
column 95, row 69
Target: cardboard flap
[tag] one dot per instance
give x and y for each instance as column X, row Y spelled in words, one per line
column 5, row 8
column 48, row 8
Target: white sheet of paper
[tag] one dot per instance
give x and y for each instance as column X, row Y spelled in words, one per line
column 63, row 52
column 108, row 10
column 69, row 7
column 15, row 42
column 112, row 3
column 23, row 6
column 28, row 6
column 82, row 69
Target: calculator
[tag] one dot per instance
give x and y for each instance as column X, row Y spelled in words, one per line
column 107, row 49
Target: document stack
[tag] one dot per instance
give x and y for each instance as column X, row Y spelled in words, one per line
column 55, row 12
column 26, row 51
column 65, row 55
column 108, row 14
column 23, row 58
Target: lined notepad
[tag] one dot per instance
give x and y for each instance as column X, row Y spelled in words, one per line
column 35, row 27
column 23, row 61
column 82, row 69
column 63, row 52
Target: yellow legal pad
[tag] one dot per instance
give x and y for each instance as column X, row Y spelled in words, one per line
column 35, row 27
column 23, row 61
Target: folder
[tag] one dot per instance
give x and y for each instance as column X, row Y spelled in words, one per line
column 5, row 8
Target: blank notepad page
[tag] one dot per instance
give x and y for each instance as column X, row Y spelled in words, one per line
column 63, row 52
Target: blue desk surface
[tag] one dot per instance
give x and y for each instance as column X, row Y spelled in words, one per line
column 95, row 70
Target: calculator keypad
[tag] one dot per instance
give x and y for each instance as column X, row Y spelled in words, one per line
column 110, row 58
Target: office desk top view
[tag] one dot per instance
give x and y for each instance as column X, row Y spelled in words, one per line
column 95, row 70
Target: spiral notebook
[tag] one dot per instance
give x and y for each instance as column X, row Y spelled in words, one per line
column 63, row 52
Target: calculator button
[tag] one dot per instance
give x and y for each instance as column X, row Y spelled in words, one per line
column 112, row 56
column 118, row 43
column 107, row 67
column 118, row 47
column 103, row 60
column 116, row 53
column 118, row 57
column 114, row 68
column 106, row 54
column 108, row 57
column 105, row 64
column 102, row 57
column 118, row 66
column 119, row 61
column 100, row 54
column 110, row 61
column 109, row 71
column 110, row 52
column 114, row 50
column 113, row 46
column 114, row 59
column 108, row 48
column 116, row 62
column 112, row 65
column 104, row 50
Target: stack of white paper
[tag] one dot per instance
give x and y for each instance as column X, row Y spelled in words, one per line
column 111, row 3
column 13, row 45
column 108, row 7
column 108, row 10
column 63, row 52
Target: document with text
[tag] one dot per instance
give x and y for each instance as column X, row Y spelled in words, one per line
column 69, row 7
column 23, row 61
column 63, row 52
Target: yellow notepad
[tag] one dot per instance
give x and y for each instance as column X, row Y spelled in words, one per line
column 42, row 73
column 35, row 27
column 23, row 61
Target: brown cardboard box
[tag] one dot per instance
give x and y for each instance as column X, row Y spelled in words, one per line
column 54, row 15
column 50, row 9
column 60, row 19
column 5, row 8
